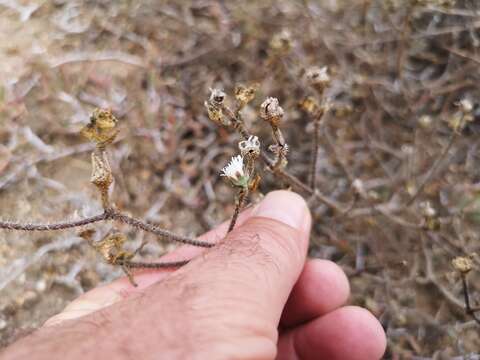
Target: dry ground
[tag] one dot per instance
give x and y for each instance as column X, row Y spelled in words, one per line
column 392, row 63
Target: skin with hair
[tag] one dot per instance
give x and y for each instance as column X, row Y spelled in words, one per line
column 253, row 296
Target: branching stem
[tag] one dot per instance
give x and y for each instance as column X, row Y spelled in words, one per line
column 8, row 225
column 109, row 214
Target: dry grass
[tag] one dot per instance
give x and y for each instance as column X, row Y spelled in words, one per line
column 153, row 63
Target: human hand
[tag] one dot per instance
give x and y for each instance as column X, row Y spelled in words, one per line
column 253, row 296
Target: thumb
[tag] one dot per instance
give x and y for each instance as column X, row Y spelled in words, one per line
column 244, row 282
column 262, row 258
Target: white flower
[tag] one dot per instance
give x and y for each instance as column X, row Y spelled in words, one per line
column 235, row 172
column 250, row 146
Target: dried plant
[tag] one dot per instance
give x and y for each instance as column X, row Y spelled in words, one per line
column 102, row 130
column 381, row 117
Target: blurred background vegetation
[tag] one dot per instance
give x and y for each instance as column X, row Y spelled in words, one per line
column 398, row 69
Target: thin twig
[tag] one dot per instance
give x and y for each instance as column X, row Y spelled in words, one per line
column 314, row 154
column 466, row 294
column 237, row 122
column 8, row 225
column 167, row 235
column 296, row 182
column 431, row 278
column 83, row 56
column 434, row 168
column 153, row 265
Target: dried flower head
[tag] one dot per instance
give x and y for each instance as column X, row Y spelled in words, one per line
column 318, row 77
column 111, row 246
column 235, row 172
column 425, row 121
column 456, row 122
column 427, row 209
column 250, row 147
column 281, row 42
column 87, row 234
column 359, row 186
column 245, row 94
column 217, row 97
column 214, row 106
column 103, row 118
column 101, row 128
column 465, row 105
column 462, row 264
column 271, row 111
column 310, row 105
column 459, row 120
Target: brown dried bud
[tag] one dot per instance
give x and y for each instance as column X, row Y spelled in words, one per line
column 310, row 105
column 87, row 234
column 214, row 106
column 215, row 113
column 318, row 77
column 102, row 127
column 316, row 110
column 103, row 118
column 250, row 147
column 245, row 94
column 111, row 247
column 462, row 264
column 271, row 111
column 217, row 97
column 281, row 42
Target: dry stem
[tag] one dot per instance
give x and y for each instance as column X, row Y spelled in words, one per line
column 240, row 203
column 109, row 214
column 8, row 225
column 466, row 294
column 314, row 155
column 152, row 265
column 165, row 234
column 434, row 168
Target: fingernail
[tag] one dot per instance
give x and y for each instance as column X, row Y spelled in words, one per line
column 284, row 206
